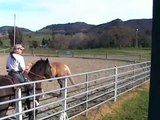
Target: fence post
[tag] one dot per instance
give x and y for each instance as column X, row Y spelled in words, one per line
column 34, row 99
column 64, row 104
column 115, row 80
column 86, row 94
column 57, row 53
column 32, row 51
column 133, row 75
column 72, row 54
column 106, row 55
column 18, row 104
column 140, row 57
column 145, row 71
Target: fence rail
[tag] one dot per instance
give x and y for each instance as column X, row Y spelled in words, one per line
column 91, row 90
column 4, row 50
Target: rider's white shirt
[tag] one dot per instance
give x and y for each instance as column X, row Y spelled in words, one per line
column 17, row 65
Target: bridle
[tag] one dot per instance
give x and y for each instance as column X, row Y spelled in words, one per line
column 40, row 76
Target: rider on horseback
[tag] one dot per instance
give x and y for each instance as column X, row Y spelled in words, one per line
column 16, row 66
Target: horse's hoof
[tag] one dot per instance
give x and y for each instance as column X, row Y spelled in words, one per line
column 59, row 95
column 25, row 108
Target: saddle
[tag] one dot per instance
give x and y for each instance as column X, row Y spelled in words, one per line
column 13, row 80
column 10, row 80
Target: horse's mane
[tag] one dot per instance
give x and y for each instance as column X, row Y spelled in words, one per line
column 28, row 67
column 39, row 64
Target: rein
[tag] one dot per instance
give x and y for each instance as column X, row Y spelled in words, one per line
column 37, row 75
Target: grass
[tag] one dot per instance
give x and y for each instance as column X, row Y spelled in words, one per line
column 133, row 109
column 137, row 53
column 144, row 52
column 117, row 50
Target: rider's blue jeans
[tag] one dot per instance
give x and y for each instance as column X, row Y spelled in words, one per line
column 19, row 76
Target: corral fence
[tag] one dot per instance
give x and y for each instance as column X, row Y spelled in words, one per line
column 138, row 57
column 3, row 51
column 91, row 90
column 132, row 57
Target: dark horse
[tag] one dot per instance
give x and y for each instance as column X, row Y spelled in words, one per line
column 40, row 70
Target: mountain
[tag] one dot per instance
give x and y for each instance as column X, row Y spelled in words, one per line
column 143, row 24
column 66, row 28
column 71, row 28
column 4, row 29
column 100, row 28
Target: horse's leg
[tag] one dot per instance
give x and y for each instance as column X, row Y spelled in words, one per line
column 3, row 110
column 60, row 81
column 69, row 73
column 4, row 107
column 29, row 106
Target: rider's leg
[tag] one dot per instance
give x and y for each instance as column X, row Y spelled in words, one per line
column 29, row 87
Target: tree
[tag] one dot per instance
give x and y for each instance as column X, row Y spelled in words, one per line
column 1, row 43
column 144, row 39
column 18, row 36
column 34, row 44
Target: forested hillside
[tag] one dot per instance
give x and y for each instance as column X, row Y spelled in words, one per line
column 80, row 35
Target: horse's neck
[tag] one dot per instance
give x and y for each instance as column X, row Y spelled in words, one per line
column 25, row 74
column 34, row 76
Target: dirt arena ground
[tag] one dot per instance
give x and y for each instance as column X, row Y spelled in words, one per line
column 77, row 65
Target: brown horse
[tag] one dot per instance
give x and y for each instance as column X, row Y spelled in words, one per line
column 40, row 70
column 58, row 70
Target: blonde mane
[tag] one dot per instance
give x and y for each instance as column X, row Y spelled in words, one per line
column 28, row 67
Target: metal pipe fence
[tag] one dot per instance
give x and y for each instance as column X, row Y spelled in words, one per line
column 91, row 90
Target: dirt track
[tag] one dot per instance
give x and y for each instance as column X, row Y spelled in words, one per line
column 77, row 65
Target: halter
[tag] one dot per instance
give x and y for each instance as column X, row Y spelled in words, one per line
column 43, row 77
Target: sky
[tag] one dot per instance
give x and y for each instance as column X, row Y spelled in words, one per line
column 36, row 14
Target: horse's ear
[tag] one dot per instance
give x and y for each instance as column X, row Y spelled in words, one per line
column 47, row 60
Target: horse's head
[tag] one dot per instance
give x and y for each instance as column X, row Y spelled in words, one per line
column 41, row 69
column 48, row 70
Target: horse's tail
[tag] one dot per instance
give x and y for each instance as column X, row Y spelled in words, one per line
column 69, row 73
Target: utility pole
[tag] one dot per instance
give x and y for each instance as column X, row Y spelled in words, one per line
column 14, row 29
column 136, row 44
column 154, row 95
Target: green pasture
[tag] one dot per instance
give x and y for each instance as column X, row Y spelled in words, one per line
column 27, row 38
column 116, row 51
column 37, row 37
column 105, row 52
column 143, row 52
column 111, row 51
column 140, row 53
column 134, row 109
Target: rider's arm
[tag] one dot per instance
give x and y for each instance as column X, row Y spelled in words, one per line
column 21, row 63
